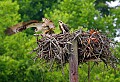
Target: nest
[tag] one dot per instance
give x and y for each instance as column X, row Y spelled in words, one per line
column 92, row 46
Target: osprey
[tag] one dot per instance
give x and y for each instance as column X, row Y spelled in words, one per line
column 46, row 26
column 22, row 26
column 63, row 27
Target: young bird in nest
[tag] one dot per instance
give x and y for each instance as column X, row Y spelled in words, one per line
column 63, row 27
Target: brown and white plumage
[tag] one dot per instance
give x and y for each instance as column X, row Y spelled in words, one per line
column 48, row 23
column 48, row 26
column 22, row 26
column 63, row 27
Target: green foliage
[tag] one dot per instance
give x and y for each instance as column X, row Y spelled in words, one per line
column 115, row 12
column 80, row 13
column 18, row 43
column 19, row 71
column 102, row 7
column 33, row 9
column 16, row 62
column 8, row 69
column 73, row 10
column 98, row 73
column 8, row 13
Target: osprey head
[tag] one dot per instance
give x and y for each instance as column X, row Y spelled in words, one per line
column 46, row 20
column 60, row 22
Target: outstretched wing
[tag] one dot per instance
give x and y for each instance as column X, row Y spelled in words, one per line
column 45, row 26
column 19, row 27
column 38, row 26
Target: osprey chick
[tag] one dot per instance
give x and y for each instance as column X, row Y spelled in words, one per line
column 63, row 27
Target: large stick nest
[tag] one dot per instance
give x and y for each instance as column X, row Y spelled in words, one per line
column 92, row 46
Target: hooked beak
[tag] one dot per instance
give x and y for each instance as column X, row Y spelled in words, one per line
column 60, row 21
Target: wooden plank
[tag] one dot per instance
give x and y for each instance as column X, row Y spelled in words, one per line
column 88, row 71
column 73, row 62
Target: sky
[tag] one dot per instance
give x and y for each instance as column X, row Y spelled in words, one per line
column 113, row 4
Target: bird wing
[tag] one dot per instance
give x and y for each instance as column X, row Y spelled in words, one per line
column 51, row 25
column 48, row 23
column 62, row 29
column 38, row 26
column 19, row 27
column 45, row 20
column 13, row 29
column 66, row 27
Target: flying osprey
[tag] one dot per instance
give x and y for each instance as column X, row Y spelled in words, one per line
column 40, row 26
column 63, row 27
column 22, row 26
column 48, row 26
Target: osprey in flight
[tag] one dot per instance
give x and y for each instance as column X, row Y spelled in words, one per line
column 45, row 26
column 63, row 27
column 48, row 26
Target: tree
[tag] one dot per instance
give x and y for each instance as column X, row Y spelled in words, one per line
column 16, row 64
column 33, row 9
column 80, row 13
column 14, row 49
column 8, row 17
column 103, row 7
column 83, row 13
column 8, row 14
column 115, row 12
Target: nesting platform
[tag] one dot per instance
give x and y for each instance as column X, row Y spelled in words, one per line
column 92, row 46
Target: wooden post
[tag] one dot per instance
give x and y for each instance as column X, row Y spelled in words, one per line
column 73, row 62
column 88, row 71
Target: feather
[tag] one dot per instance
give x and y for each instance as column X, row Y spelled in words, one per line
column 48, row 23
column 19, row 27
column 63, row 27
column 47, row 26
